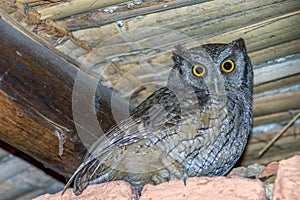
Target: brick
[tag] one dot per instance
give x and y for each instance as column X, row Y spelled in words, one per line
column 287, row 183
column 206, row 188
column 106, row 191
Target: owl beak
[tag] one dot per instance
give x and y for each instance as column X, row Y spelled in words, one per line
column 216, row 86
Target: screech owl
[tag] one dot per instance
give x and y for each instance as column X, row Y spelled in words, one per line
column 198, row 125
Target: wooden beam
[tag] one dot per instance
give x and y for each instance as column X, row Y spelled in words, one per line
column 36, row 100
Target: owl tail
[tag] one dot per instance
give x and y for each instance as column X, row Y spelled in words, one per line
column 76, row 175
column 89, row 172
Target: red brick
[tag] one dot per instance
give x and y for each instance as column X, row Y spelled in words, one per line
column 271, row 169
column 287, row 183
column 119, row 190
column 206, row 188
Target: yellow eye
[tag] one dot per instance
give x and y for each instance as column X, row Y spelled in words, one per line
column 199, row 70
column 227, row 66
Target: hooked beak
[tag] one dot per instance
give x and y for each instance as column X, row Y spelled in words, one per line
column 216, row 86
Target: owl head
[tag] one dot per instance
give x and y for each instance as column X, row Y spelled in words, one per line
column 215, row 68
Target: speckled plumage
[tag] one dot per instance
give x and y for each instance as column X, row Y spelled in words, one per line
column 195, row 126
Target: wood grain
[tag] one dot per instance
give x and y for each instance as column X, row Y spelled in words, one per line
column 36, row 96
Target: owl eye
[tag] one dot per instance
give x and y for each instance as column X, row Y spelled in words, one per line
column 199, row 70
column 227, row 66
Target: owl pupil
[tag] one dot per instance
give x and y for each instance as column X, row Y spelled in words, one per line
column 199, row 70
column 227, row 66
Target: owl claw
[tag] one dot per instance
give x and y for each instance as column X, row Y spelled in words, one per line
column 185, row 177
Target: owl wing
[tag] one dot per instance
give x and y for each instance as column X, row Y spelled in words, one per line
column 159, row 111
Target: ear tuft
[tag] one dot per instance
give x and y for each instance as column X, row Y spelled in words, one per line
column 179, row 53
column 240, row 43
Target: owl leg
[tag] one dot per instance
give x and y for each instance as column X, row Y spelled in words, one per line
column 176, row 171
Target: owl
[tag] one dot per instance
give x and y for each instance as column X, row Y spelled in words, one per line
column 197, row 125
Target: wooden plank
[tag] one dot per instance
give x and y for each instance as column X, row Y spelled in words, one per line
column 278, row 71
column 74, row 7
column 279, row 117
column 276, row 51
column 11, row 167
column 3, row 153
column 286, row 146
column 33, row 36
column 26, row 1
column 28, row 183
column 90, row 20
column 36, row 94
column 272, row 44
column 276, row 103
column 275, row 84
column 212, row 18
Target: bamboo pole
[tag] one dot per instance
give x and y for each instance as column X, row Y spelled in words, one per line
column 75, row 7
column 278, row 135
